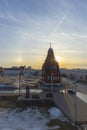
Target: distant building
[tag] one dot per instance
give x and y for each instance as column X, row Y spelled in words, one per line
column 78, row 74
column 1, row 71
column 22, row 69
column 50, row 70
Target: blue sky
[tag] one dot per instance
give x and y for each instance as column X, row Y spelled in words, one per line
column 27, row 27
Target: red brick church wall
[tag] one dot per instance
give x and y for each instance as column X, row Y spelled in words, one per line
column 50, row 69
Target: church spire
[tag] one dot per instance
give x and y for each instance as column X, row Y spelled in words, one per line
column 50, row 49
column 50, row 44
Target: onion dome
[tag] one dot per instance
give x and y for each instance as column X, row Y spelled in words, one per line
column 50, row 49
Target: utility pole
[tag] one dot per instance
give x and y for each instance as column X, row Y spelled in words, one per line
column 19, row 83
column 75, row 101
column 21, row 71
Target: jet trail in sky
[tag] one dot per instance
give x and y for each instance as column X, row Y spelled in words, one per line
column 56, row 27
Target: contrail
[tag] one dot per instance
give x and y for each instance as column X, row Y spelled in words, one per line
column 11, row 16
column 56, row 27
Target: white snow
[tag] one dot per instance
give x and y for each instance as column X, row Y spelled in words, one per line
column 82, row 96
column 29, row 119
column 56, row 113
column 22, row 91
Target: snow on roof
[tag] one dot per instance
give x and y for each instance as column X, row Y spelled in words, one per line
column 56, row 113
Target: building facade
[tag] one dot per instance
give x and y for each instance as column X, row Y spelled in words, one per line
column 50, row 70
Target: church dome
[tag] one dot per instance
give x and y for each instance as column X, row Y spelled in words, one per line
column 50, row 49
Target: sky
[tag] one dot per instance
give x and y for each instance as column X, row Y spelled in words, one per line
column 28, row 26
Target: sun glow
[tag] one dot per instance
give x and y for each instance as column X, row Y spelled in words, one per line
column 58, row 58
column 19, row 59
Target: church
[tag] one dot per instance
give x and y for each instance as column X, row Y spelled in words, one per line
column 50, row 70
